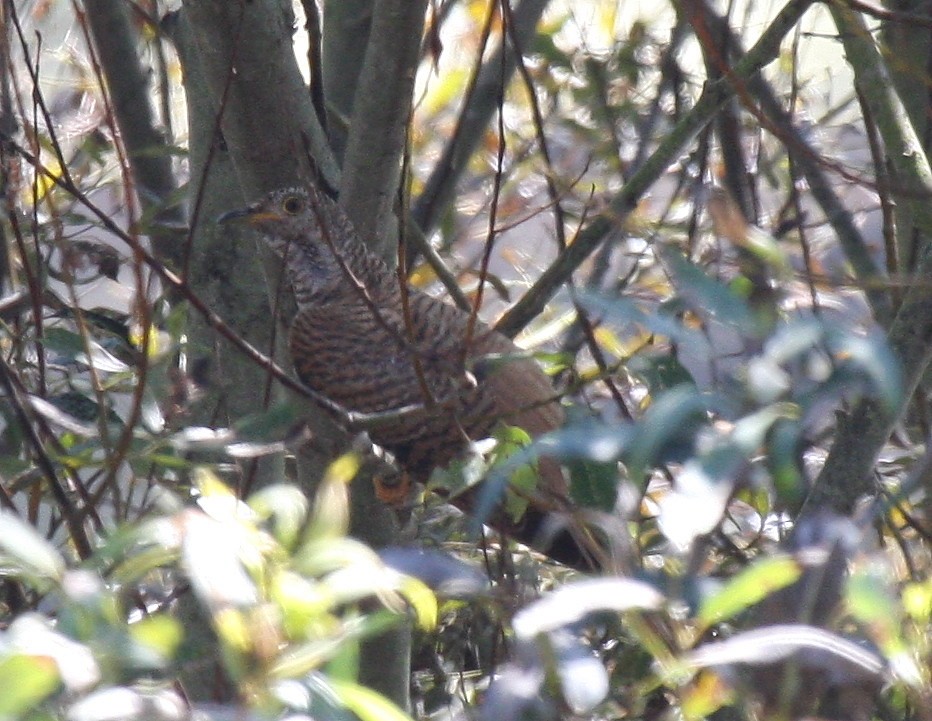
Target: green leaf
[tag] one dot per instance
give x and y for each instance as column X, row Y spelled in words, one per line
column 749, row 433
column 587, row 441
column 305, row 605
column 330, row 515
column 63, row 341
column 26, row 681
column 660, row 372
column 366, row 703
column 522, row 480
column 667, row 430
column 917, row 601
column 35, row 555
column 837, row 656
column 872, row 357
column 783, row 457
column 106, row 704
column 273, row 424
column 749, row 587
column 300, row 659
column 344, row 664
column 594, row 484
column 79, row 406
column 140, row 562
column 661, row 321
column 422, row 601
column 211, row 556
column 708, row 296
column 868, row 599
column 159, row 634
column 72, row 346
column 793, row 339
column 286, row 506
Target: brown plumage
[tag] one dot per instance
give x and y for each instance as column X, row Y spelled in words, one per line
column 351, row 343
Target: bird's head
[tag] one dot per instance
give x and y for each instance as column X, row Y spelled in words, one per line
column 305, row 228
column 285, row 217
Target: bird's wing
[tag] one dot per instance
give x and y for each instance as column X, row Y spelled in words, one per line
column 521, row 392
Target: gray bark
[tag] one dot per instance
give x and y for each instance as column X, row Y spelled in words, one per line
column 493, row 77
column 347, row 25
column 145, row 144
column 271, row 138
column 848, row 470
column 381, row 110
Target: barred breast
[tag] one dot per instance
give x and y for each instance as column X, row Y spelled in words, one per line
column 342, row 351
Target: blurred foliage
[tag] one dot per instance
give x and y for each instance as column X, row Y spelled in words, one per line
column 702, row 360
column 287, row 594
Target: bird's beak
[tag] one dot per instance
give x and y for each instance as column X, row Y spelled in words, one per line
column 236, row 214
column 251, row 214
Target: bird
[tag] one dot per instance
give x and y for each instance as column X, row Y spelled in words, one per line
column 365, row 343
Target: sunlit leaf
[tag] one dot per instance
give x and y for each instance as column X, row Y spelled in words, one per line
column 32, row 634
column 812, row 648
column 217, row 500
column 322, row 554
column 234, row 629
column 286, row 506
column 750, row 432
column 330, row 515
column 697, row 502
column 766, row 380
column 522, row 481
column 361, row 580
column 157, row 342
column 869, row 599
column 300, row 659
column 199, row 438
column 705, row 696
column 749, row 587
column 30, row 551
column 210, row 554
column 421, row 600
column 160, row 634
column 444, row 574
column 26, row 681
column 366, row 703
column 54, row 414
column 584, row 682
column 305, row 605
column 917, row 601
column 575, row 601
column 108, row 704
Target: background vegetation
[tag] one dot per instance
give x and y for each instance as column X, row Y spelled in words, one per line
column 709, row 221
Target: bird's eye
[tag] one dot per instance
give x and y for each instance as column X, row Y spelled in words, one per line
column 292, row 205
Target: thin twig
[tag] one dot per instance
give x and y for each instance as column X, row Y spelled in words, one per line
column 559, row 220
column 24, row 414
column 714, row 94
column 493, row 209
column 352, row 419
